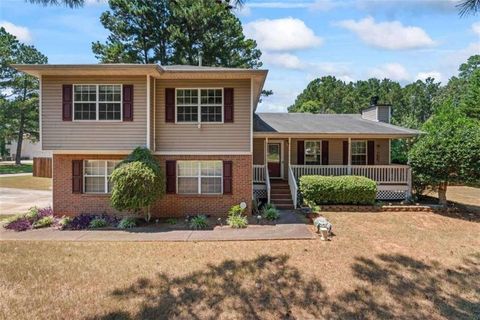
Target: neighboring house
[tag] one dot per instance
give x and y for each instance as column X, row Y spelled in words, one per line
column 29, row 150
column 201, row 124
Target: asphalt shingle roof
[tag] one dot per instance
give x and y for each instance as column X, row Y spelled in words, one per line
column 324, row 124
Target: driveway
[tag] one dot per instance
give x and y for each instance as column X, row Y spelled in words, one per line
column 19, row 200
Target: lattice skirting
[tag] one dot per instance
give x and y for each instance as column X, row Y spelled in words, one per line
column 391, row 195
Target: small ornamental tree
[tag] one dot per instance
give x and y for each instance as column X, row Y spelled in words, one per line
column 138, row 182
column 449, row 151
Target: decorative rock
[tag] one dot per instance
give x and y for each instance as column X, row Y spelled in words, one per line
column 322, row 222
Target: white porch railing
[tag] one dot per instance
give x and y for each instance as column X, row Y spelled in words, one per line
column 384, row 174
column 292, row 182
column 258, row 173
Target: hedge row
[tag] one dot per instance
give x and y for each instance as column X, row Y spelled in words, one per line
column 338, row 190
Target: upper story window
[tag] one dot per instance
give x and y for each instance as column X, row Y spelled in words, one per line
column 97, row 102
column 313, row 152
column 199, row 105
column 359, row 152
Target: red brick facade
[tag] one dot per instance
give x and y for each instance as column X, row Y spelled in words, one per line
column 171, row 205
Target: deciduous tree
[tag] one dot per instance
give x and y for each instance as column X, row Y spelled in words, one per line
column 448, row 152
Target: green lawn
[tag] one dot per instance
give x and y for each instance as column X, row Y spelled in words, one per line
column 25, row 182
column 12, row 168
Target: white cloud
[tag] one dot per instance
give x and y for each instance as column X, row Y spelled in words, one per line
column 285, row 60
column 388, row 35
column 429, row 74
column 22, row 33
column 95, row 2
column 476, row 28
column 282, row 34
column 243, row 11
column 393, row 71
column 279, row 5
column 325, row 5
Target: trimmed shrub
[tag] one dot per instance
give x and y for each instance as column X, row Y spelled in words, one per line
column 237, row 221
column 97, row 223
column 32, row 214
column 270, row 213
column 235, row 210
column 44, row 222
column 138, row 182
column 338, row 190
column 199, row 222
column 127, row 223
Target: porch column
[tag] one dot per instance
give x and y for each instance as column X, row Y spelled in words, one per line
column 289, row 151
column 349, row 156
column 266, row 151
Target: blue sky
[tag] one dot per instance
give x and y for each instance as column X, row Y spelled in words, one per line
column 301, row 40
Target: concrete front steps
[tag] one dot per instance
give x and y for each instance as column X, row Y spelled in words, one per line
column 280, row 195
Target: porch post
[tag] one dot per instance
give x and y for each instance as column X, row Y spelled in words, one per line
column 390, row 151
column 289, row 151
column 266, row 151
column 349, row 156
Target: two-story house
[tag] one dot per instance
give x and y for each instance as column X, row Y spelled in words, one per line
column 201, row 124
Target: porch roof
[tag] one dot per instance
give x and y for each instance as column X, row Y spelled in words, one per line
column 325, row 124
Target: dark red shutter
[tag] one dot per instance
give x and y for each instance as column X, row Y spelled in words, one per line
column 128, row 102
column 227, row 177
column 228, row 105
column 169, row 104
column 371, row 152
column 77, row 176
column 345, row 153
column 67, row 99
column 300, row 152
column 171, row 168
column 325, row 153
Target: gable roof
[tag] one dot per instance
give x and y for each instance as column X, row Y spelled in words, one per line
column 331, row 124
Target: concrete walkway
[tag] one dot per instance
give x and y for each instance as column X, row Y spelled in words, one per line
column 14, row 201
column 282, row 231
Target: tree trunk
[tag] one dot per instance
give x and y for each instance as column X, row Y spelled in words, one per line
column 18, row 155
column 442, row 194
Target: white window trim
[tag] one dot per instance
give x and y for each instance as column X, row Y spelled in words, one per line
column 305, row 153
column 199, row 177
column 105, row 176
column 352, row 154
column 199, row 107
column 97, row 102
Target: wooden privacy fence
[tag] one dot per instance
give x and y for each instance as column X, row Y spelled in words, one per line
column 42, row 167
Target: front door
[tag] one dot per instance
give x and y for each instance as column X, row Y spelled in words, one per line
column 274, row 160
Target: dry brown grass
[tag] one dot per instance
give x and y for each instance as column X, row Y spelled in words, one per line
column 378, row 265
column 26, row 182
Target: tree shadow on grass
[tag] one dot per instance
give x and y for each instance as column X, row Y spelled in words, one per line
column 386, row 287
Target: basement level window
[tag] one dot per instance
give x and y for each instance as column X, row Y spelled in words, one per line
column 96, row 175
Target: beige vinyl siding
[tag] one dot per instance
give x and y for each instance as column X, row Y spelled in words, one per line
column 383, row 114
column 152, row 112
column 226, row 137
column 91, row 135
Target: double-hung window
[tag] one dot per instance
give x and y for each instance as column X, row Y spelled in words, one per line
column 199, row 105
column 97, row 102
column 97, row 174
column 199, row 177
column 359, row 152
column 313, row 152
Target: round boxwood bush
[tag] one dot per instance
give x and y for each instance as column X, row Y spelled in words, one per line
column 338, row 190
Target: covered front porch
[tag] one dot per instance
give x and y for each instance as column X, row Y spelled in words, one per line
column 280, row 161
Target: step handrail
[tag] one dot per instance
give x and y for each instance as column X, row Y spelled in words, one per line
column 292, row 182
